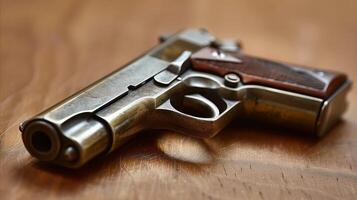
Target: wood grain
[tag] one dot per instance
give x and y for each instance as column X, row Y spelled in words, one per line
column 51, row 49
column 261, row 71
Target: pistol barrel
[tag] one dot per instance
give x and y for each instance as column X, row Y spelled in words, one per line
column 72, row 146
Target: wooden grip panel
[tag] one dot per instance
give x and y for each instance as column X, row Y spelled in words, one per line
column 253, row 70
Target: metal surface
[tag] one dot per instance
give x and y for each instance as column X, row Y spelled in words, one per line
column 332, row 109
column 174, row 69
column 231, row 80
column 160, row 91
column 71, row 154
column 227, row 44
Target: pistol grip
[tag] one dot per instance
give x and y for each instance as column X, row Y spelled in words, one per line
column 327, row 86
column 259, row 71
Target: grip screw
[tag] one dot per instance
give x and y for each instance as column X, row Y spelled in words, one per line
column 231, row 80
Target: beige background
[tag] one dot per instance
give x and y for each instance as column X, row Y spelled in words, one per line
column 51, row 49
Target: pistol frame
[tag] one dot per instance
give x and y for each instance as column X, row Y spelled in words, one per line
column 159, row 90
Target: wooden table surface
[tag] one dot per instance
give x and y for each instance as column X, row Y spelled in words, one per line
column 51, row 49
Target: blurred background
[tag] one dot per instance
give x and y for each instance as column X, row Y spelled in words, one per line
column 51, row 49
column 78, row 37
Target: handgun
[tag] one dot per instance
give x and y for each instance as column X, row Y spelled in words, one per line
column 191, row 83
